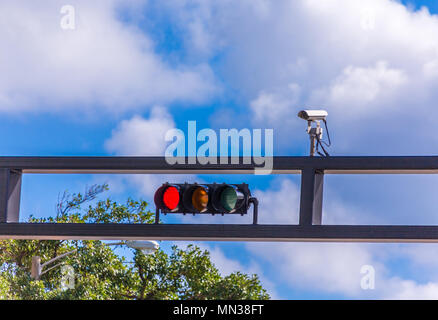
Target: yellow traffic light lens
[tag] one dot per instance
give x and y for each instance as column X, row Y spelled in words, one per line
column 200, row 199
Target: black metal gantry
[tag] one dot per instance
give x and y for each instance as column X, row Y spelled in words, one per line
column 310, row 227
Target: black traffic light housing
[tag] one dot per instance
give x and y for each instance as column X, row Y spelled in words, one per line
column 214, row 198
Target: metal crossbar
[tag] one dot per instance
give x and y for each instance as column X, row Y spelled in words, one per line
column 310, row 227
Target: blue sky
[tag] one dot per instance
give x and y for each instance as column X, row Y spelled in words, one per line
column 131, row 70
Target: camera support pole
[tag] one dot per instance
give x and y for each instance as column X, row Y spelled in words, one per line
column 314, row 134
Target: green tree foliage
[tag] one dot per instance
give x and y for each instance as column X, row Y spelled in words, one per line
column 100, row 273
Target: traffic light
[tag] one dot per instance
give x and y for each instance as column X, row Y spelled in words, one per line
column 203, row 198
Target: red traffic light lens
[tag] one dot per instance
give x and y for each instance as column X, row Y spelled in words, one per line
column 171, row 198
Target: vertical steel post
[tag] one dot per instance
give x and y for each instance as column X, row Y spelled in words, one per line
column 10, row 193
column 312, row 182
column 312, row 146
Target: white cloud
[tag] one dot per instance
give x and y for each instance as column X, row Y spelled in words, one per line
column 357, row 89
column 141, row 137
column 399, row 289
column 279, row 205
column 321, row 267
column 336, row 267
column 344, row 55
column 268, row 107
column 102, row 63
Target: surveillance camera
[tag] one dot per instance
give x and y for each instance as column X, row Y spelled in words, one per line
column 312, row 115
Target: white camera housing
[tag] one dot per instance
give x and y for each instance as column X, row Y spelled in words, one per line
column 146, row 246
column 313, row 115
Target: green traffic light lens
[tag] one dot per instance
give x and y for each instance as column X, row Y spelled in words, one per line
column 229, row 198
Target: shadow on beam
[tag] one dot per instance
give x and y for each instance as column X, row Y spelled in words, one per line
column 219, row 232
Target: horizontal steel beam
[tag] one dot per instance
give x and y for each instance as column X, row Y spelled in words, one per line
column 311, row 168
column 219, row 232
column 281, row 164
